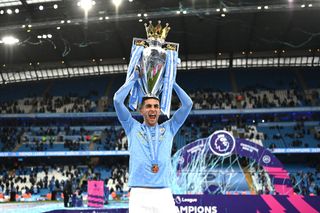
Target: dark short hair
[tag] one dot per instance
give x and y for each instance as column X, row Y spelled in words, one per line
column 146, row 98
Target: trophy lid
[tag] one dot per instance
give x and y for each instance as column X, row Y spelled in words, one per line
column 157, row 32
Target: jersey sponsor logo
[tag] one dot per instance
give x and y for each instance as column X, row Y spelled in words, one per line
column 142, row 135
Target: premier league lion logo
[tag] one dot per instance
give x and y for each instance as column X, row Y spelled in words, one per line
column 178, row 200
column 222, row 143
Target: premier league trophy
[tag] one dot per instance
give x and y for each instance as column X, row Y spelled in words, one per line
column 156, row 61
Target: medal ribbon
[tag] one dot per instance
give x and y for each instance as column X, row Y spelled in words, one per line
column 154, row 145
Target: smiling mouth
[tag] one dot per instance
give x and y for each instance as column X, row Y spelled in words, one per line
column 152, row 116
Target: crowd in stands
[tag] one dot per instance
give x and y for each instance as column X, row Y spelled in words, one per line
column 113, row 139
column 55, row 180
column 44, row 138
column 297, row 136
column 202, row 98
column 9, row 137
column 72, row 138
column 41, row 180
column 34, row 180
column 261, row 180
column 118, row 181
column 49, row 104
column 293, row 135
column 250, row 99
column 64, row 104
column 306, row 182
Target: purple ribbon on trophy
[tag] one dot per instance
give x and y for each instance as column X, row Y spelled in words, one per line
column 157, row 62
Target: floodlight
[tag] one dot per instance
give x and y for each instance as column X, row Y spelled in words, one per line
column 9, row 40
column 86, row 4
column 117, row 2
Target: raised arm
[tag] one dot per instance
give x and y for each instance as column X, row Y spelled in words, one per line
column 186, row 105
column 120, row 96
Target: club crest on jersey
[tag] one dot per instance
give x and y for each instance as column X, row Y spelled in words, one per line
column 162, row 130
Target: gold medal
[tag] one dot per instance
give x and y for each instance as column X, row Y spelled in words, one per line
column 155, row 168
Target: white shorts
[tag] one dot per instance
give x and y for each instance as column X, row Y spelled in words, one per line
column 151, row 200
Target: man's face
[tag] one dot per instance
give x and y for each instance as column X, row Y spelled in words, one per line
column 150, row 111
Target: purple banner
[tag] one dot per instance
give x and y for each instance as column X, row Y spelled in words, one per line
column 223, row 144
column 233, row 203
column 247, row 203
column 270, row 163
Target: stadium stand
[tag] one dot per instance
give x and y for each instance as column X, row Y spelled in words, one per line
column 55, row 127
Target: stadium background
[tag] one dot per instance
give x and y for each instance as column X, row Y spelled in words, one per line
column 251, row 68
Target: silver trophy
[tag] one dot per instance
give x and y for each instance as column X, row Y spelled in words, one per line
column 152, row 67
column 153, row 62
column 157, row 65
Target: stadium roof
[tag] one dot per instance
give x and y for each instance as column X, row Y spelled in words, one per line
column 56, row 32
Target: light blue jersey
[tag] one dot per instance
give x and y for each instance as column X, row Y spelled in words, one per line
column 140, row 163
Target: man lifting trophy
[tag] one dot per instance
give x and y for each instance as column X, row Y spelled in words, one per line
column 150, row 80
column 156, row 61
